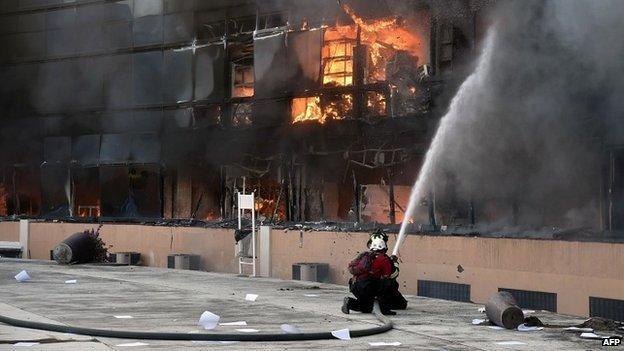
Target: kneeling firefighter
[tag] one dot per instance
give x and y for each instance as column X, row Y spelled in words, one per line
column 374, row 277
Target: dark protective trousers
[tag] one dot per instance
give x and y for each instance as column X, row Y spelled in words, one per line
column 386, row 291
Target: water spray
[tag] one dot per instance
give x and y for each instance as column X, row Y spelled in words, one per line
column 447, row 124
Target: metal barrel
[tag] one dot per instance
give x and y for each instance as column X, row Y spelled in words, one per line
column 77, row 248
column 503, row 310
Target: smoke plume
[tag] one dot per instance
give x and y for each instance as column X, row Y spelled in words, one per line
column 526, row 146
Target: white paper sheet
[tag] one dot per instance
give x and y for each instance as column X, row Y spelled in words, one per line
column 310, row 295
column 247, row 330
column 208, row 320
column 25, row 344
column 510, row 343
column 233, row 323
column 496, row 327
column 342, row 334
column 524, row 328
column 477, row 321
column 290, row 329
column 481, row 309
column 71, row 281
column 396, row 343
column 131, row 344
column 123, row 317
column 251, row 297
column 22, row 276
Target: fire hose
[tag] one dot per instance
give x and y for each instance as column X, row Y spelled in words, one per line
column 124, row 334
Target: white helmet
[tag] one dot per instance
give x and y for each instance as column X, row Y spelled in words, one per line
column 378, row 244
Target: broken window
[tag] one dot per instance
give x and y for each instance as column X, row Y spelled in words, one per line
column 20, row 192
column 86, row 191
column 315, row 108
column 375, row 104
column 337, row 56
column 241, row 25
column 272, row 20
column 307, row 109
column 130, row 191
column 242, row 80
column 337, row 106
column 55, row 191
column 241, row 114
column 209, row 28
column 204, row 116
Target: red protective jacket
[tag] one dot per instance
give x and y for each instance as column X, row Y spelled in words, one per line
column 381, row 267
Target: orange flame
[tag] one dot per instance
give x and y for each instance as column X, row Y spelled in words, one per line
column 309, row 108
column 89, row 211
column 384, row 36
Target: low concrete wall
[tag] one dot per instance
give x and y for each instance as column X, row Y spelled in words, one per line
column 573, row 270
column 215, row 246
column 9, row 231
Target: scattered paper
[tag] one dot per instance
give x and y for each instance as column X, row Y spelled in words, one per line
column 524, row 328
column 124, row 317
column 481, row 309
column 25, row 344
column 342, row 334
column 229, row 342
column 72, row 281
column 22, row 276
column 396, row 343
column 251, row 297
column 247, row 330
column 310, row 295
column 527, row 312
column 495, row 327
column 290, row 329
column 130, row 344
column 592, row 336
column 234, row 323
column 208, row 320
column 577, row 329
column 510, row 343
column 477, row 321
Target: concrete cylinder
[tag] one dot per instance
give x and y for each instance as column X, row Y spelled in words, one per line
column 77, row 248
column 503, row 310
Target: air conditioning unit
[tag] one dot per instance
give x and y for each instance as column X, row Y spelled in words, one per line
column 129, row 258
column 183, row 261
column 10, row 249
column 312, row 272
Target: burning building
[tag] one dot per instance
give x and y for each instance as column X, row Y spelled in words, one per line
column 165, row 109
column 160, row 111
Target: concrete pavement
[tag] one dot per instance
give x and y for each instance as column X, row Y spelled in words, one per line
column 172, row 300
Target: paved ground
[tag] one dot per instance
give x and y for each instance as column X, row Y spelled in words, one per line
column 172, row 300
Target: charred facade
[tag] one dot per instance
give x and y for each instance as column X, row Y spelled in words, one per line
column 165, row 109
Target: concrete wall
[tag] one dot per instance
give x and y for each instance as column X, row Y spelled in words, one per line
column 216, row 246
column 573, row 270
column 9, row 231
